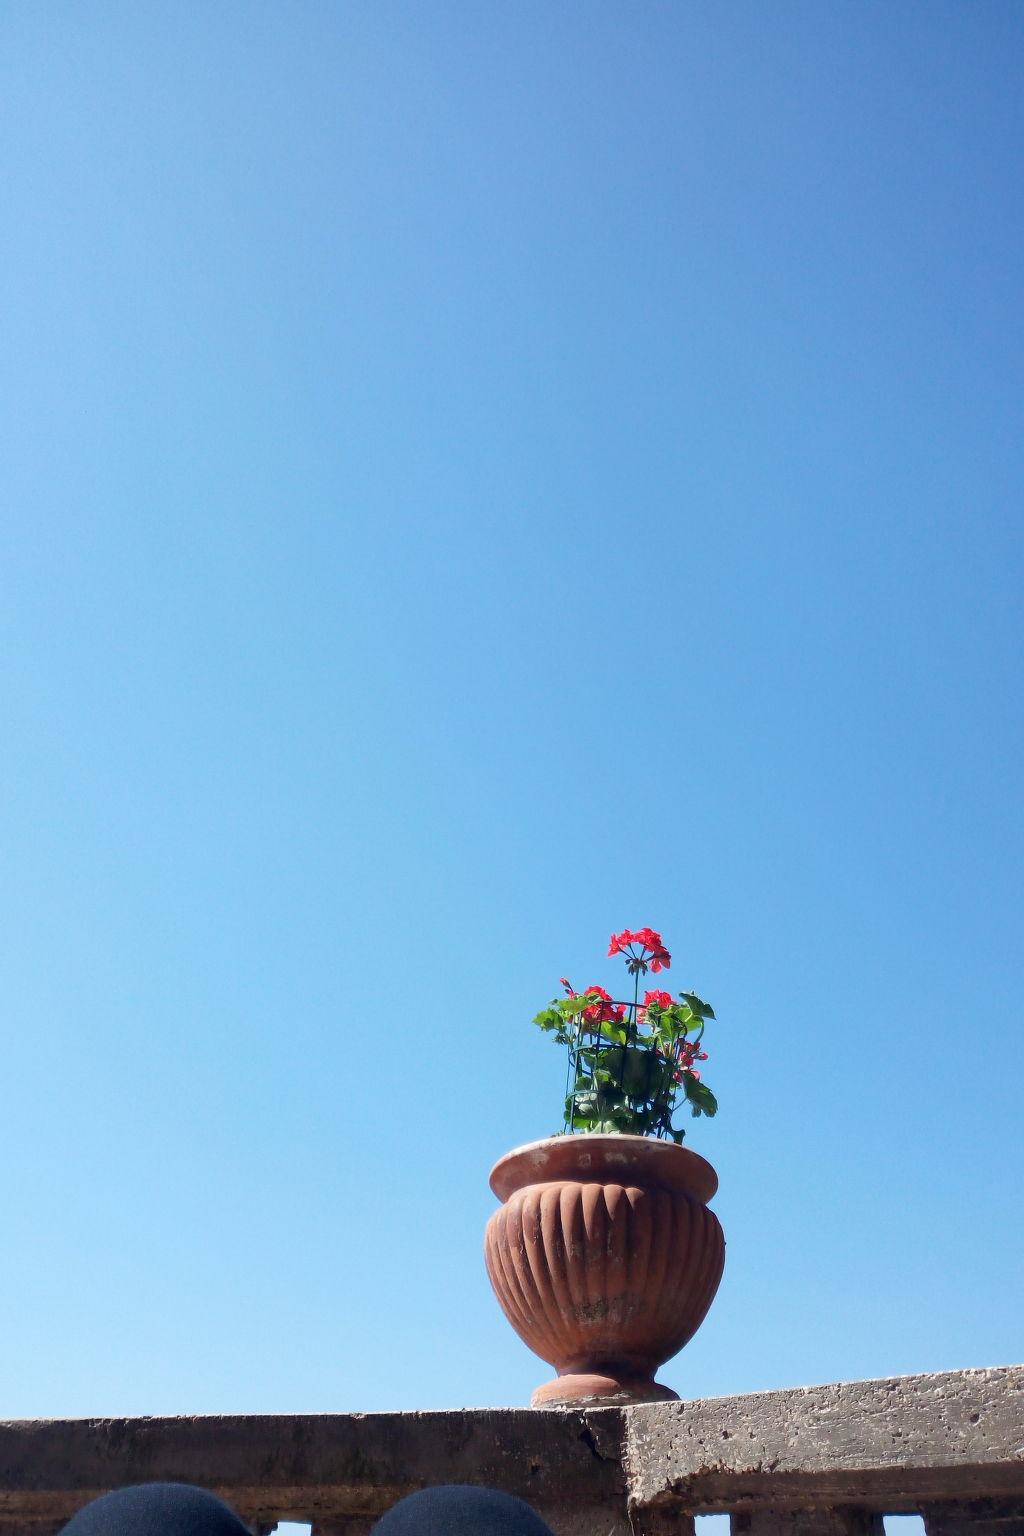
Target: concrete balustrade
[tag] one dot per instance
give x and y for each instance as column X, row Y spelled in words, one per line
column 814, row 1461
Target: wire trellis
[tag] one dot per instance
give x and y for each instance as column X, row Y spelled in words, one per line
column 629, row 1079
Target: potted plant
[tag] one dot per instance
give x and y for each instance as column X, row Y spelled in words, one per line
column 603, row 1253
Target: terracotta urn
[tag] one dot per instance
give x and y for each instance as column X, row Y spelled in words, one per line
column 605, row 1259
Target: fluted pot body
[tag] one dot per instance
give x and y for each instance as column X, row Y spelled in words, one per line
column 605, row 1259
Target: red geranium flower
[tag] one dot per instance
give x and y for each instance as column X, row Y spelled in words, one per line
column 653, row 953
column 604, row 1011
column 682, row 1062
column 663, row 999
column 660, row 957
column 687, row 1053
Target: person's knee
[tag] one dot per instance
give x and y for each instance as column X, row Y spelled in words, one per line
column 457, row 1509
column 156, row 1509
column 178, row 1509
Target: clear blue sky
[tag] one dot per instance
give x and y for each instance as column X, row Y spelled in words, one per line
column 474, row 477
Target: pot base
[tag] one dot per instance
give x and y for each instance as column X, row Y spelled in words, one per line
column 596, row 1389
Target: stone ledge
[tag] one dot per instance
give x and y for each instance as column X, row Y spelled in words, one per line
column 906, row 1444
column 337, row 1471
column 888, row 1445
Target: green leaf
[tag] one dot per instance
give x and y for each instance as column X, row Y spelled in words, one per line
column 702, row 1009
column 610, row 1058
column 613, row 1032
column 666, row 1029
column 650, row 1074
column 699, row 1096
column 585, row 1101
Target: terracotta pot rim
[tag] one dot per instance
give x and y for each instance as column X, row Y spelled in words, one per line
column 607, row 1159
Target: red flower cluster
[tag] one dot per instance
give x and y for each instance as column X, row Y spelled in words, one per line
column 604, row 1011
column 686, row 1054
column 663, row 999
column 653, row 953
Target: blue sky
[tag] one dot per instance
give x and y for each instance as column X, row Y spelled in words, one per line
column 473, row 478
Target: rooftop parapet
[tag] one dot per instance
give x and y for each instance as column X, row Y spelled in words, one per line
column 812, row 1461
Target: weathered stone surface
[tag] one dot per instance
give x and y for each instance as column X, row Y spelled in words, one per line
column 662, row 1521
column 27, row 1527
column 885, row 1445
column 818, row 1461
column 350, row 1527
column 840, row 1521
column 979, row 1517
column 339, row 1470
